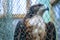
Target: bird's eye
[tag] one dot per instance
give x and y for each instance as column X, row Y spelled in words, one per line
column 31, row 15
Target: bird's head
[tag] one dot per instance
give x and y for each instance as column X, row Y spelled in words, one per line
column 36, row 10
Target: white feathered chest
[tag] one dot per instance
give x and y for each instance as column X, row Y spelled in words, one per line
column 38, row 27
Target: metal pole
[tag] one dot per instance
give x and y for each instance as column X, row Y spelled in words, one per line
column 4, row 7
column 28, row 4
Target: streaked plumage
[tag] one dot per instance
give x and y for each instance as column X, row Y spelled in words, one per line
column 35, row 27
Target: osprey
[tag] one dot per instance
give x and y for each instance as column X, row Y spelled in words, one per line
column 34, row 27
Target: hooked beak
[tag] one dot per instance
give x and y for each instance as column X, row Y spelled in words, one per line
column 46, row 9
column 42, row 10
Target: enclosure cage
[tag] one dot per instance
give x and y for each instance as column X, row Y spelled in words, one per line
column 12, row 12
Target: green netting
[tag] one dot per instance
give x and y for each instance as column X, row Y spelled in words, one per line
column 7, row 27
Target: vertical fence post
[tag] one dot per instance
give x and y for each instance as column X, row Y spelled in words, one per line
column 5, row 7
column 27, row 4
column 52, row 14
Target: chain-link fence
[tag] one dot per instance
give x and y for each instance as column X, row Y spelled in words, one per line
column 19, row 20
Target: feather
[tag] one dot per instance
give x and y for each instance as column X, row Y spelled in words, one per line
column 33, row 27
column 51, row 31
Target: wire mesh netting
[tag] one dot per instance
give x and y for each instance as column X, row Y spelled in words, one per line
column 34, row 26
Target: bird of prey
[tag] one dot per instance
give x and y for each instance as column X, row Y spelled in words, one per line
column 33, row 26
